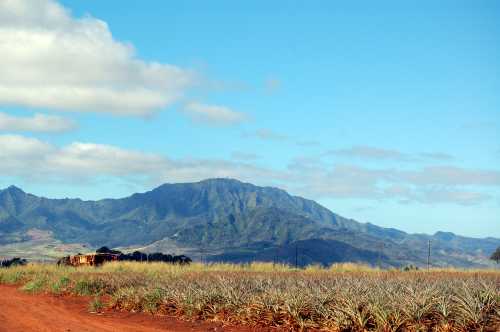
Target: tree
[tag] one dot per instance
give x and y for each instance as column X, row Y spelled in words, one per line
column 496, row 255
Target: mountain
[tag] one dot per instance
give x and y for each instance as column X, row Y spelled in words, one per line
column 225, row 219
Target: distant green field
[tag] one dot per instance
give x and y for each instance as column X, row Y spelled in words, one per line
column 41, row 250
column 345, row 297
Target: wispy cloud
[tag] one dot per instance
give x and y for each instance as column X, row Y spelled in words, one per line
column 366, row 152
column 426, row 186
column 244, row 156
column 213, row 114
column 33, row 159
column 35, row 123
column 462, row 197
column 53, row 60
column 267, row 135
column 448, row 176
column 308, row 143
column 439, row 156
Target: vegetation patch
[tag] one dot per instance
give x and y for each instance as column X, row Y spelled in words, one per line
column 345, row 297
column 96, row 305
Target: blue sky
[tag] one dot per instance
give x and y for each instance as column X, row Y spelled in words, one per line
column 386, row 113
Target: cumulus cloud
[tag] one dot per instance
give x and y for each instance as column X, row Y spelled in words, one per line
column 34, row 159
column 53, row 60
column 15, row 148
column 213, row 114
column 23, row 156
column 35, row 123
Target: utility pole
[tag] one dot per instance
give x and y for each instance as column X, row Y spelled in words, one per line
column 296, row 256
column 429, row 256
column 380, row 249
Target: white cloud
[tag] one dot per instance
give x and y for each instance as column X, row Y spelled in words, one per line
column 23, row 156
column 85, row 158
column 316, row 178
column 32, row 159
column 213, row 114
column 368, row 152
column 35, row 123
column 449, row 176
column 15, row 146
column 308, row 143
column 439, row 156
column 50, row 59
column 381, row 154
column 267, row 135
column 462, row 197
column 20, row 156
column 244, row 156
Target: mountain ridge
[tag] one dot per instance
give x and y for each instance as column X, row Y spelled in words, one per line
column 218, row 215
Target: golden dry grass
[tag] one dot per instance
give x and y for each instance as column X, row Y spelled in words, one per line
column 343, row 297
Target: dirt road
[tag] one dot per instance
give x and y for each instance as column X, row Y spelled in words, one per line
column 21, row 312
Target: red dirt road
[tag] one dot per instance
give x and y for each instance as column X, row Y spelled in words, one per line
column 21, row 312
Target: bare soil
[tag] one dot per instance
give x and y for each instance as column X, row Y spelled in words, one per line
column 23, row 312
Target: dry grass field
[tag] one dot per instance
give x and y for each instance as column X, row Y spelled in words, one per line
column 345, row 297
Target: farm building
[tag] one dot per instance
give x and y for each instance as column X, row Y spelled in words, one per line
column 88, row 259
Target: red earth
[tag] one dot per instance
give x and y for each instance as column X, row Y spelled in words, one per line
column 23, row 312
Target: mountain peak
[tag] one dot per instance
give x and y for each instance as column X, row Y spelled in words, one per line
column 221, row 181
column 13, row 190
column 208, row 182
column 445, row 236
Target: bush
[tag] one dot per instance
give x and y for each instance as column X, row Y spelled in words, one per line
column 96, row 305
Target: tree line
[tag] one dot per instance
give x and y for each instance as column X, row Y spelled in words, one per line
column 138, row 256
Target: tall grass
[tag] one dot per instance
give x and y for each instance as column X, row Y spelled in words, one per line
column 346, row 297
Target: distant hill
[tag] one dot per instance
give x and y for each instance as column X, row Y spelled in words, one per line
column 228, row 220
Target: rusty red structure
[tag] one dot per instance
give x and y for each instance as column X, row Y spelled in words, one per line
column 88, row 259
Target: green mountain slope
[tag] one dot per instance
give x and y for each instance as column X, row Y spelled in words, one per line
column 223, row 218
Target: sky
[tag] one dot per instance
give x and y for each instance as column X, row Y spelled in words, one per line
column 385, row 112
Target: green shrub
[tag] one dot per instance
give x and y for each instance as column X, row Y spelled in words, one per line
column 89, row 287
column 96, row 305
column 35, row 286
column 61, row 285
